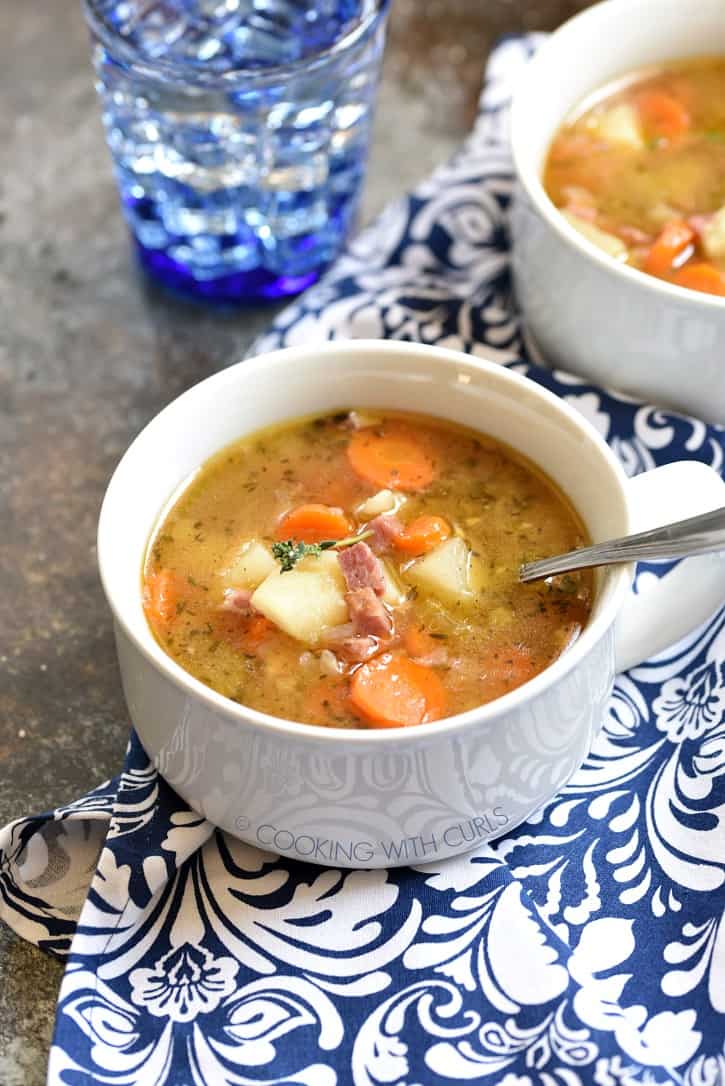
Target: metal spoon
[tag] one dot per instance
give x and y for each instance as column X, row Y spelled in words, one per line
column 703, row 534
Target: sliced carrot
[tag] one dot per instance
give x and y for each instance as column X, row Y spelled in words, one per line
column 505, row 669
column 663, row 115
column 422, row 535
column 393, row 692
column 701, row 276
column 419, row 643
column 313, row 523
column 394, row 458
column 674, row 238
column 160, row 598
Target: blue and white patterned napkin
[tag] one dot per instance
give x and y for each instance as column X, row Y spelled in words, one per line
column 586, row 947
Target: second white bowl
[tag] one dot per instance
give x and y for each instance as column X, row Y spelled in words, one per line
column 586, row 312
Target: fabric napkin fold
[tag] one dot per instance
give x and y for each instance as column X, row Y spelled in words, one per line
column 586, row 947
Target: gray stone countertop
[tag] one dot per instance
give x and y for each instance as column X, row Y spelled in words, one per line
column 88, row 353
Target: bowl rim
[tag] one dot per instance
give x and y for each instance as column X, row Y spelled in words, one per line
column 617, row 585
column 177, row 74
column 529, row 83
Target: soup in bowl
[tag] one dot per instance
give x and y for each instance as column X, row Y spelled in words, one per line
column 360, row 569
column 384, row 778
column 640, row 172
column 618, row 219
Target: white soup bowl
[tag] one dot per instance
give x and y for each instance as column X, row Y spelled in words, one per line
column 585, row 311
column 360, row 798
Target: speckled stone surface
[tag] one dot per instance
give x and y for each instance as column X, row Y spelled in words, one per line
column 88, row 353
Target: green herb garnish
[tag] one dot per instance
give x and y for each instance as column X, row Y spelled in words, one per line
column 289, row 552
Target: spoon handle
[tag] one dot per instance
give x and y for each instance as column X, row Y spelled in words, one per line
column 703, row 534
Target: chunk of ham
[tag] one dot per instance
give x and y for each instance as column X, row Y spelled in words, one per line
column 361, row 569
column 368, row 614
column 239, row 600
column 357, row 649
column 386, row 529
column 348, row 645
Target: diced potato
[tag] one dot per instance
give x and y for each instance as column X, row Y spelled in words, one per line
column 444, row 572
column 385, row 501
column 479, row 576
column 252, row 563
column 301, row 603
column 713, row 236
column 327, row 563
column 610, row 244
column 621, row 125
column 393, row 595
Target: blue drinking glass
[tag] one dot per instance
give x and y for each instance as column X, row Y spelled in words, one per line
column 239, row 132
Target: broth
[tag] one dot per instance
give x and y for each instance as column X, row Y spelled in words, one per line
column 422, row 618
column 640, row 172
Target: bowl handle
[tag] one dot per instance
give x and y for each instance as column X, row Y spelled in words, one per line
column 694, row 589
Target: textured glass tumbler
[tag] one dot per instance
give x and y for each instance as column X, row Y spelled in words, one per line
column 239, row 131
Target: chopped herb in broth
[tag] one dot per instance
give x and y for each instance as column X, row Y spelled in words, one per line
column 641, row 172
column 362, row 571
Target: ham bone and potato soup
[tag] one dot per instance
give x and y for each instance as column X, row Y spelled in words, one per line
column 639, row 170
column 360, row 570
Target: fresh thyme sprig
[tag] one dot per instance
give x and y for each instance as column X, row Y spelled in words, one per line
column 289, row 552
